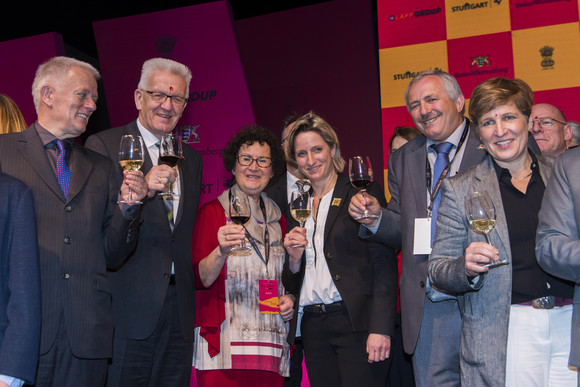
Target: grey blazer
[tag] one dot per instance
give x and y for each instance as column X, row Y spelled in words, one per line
column 558, row 238
column 408, row 189
column 485, row 301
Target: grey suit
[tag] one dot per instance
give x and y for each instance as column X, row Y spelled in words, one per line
column 78, row 238
column 485, row 301
column 558, row 238
column 407, row 184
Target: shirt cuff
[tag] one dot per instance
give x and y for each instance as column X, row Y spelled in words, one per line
column 11, row 381
column 374, row 229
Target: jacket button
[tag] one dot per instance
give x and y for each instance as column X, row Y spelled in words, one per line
column 337, row 277
column 66, row 276
column 328, row 256
column 422, row 284
column 67, row 240
column 166, row 275
column 68, row 209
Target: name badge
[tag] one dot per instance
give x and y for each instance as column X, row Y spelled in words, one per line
column 422, row 236
column 268, row 294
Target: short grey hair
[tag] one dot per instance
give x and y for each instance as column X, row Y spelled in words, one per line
column 449, row 82
column 163, row 64
column 55, row 71
column 575, row 125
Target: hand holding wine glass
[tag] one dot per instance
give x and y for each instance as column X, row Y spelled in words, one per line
column 240, row 213
column 170, row 153
column 131, row 159
column 300, row 209
column 361, row 177
column 481, row 217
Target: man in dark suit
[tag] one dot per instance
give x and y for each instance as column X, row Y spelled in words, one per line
column 19, row 284
column 430, row 320
column 279, row 192
column 81, row 228
column 153, row 291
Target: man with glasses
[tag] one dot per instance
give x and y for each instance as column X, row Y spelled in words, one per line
column 548, row 126
column 153, row 291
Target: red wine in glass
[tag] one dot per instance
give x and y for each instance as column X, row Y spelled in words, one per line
column 361, row 177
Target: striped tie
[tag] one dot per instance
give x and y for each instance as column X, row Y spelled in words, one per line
column 441, row 163
column 62, row 169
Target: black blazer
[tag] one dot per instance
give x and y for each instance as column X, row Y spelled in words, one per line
column 78, row 238
column 364, row 273
column 140, row 284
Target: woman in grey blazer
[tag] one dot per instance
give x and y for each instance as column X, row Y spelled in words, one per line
column 516, row 317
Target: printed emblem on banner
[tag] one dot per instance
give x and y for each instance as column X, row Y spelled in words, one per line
column 165, row 45
column 189, row 134
column 480, row 61
column 547, row 61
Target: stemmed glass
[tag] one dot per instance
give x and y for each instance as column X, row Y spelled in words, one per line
column 361, row 177
column 300, row 209
column 131, row 159
column 480, row 213
column 240, row 213
column 170, row 153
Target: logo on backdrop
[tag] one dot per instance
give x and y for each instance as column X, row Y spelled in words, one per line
column 471, row 6
column 409, row 74
column 418, row 13
column 480, row 61
column 481, row 65
column 547, row 61
column 189, row 134
column 165, row 45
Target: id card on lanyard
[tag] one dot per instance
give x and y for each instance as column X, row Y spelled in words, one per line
column 422, row 226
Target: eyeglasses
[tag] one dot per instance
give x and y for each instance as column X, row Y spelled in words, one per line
column 160, row 97
column 545, row 122
column 247, row 160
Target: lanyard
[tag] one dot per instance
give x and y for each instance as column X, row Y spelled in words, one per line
column 437, row 187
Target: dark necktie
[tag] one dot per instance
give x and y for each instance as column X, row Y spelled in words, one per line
column 441, row 163
column 62, row 169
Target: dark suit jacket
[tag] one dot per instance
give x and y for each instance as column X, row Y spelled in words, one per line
column 77, row 239
column 140, row 284
column 277, row 191
column 19, row 281
column 364, row 273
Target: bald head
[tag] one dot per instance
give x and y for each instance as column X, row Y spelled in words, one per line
column 548, row 126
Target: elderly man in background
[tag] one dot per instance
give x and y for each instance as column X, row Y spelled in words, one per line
column 548, row 126
column 574, row 127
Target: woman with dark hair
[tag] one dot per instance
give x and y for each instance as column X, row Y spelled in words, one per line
column 516, row 318
column 345, row 286
column 240, row 334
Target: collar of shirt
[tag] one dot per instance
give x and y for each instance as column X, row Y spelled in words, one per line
column 150, row 142
column 290, row 184
column 47, row 137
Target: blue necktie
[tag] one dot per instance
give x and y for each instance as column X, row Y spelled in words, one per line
column 62, row 169
column 441, row 163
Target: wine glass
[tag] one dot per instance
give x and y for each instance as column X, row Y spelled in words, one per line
column 480, row 213
column 131, row 159
column 300, row 209
column 240, row 213
column 170, row 153
column 361, row 177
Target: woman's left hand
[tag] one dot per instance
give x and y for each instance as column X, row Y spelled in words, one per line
column 378, row 347
column 286, row 306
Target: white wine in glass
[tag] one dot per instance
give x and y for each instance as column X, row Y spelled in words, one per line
column 131, row 159
column 480, row 213
column 300, row 209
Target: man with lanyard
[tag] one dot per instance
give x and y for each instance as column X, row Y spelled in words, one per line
column 430, row 319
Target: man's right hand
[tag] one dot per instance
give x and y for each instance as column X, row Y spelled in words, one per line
column 361, row 202
column 159, row 178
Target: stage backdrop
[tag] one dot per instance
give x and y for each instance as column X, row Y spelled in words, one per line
column 535, row 40
column 20, row 59
column 200, row 37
